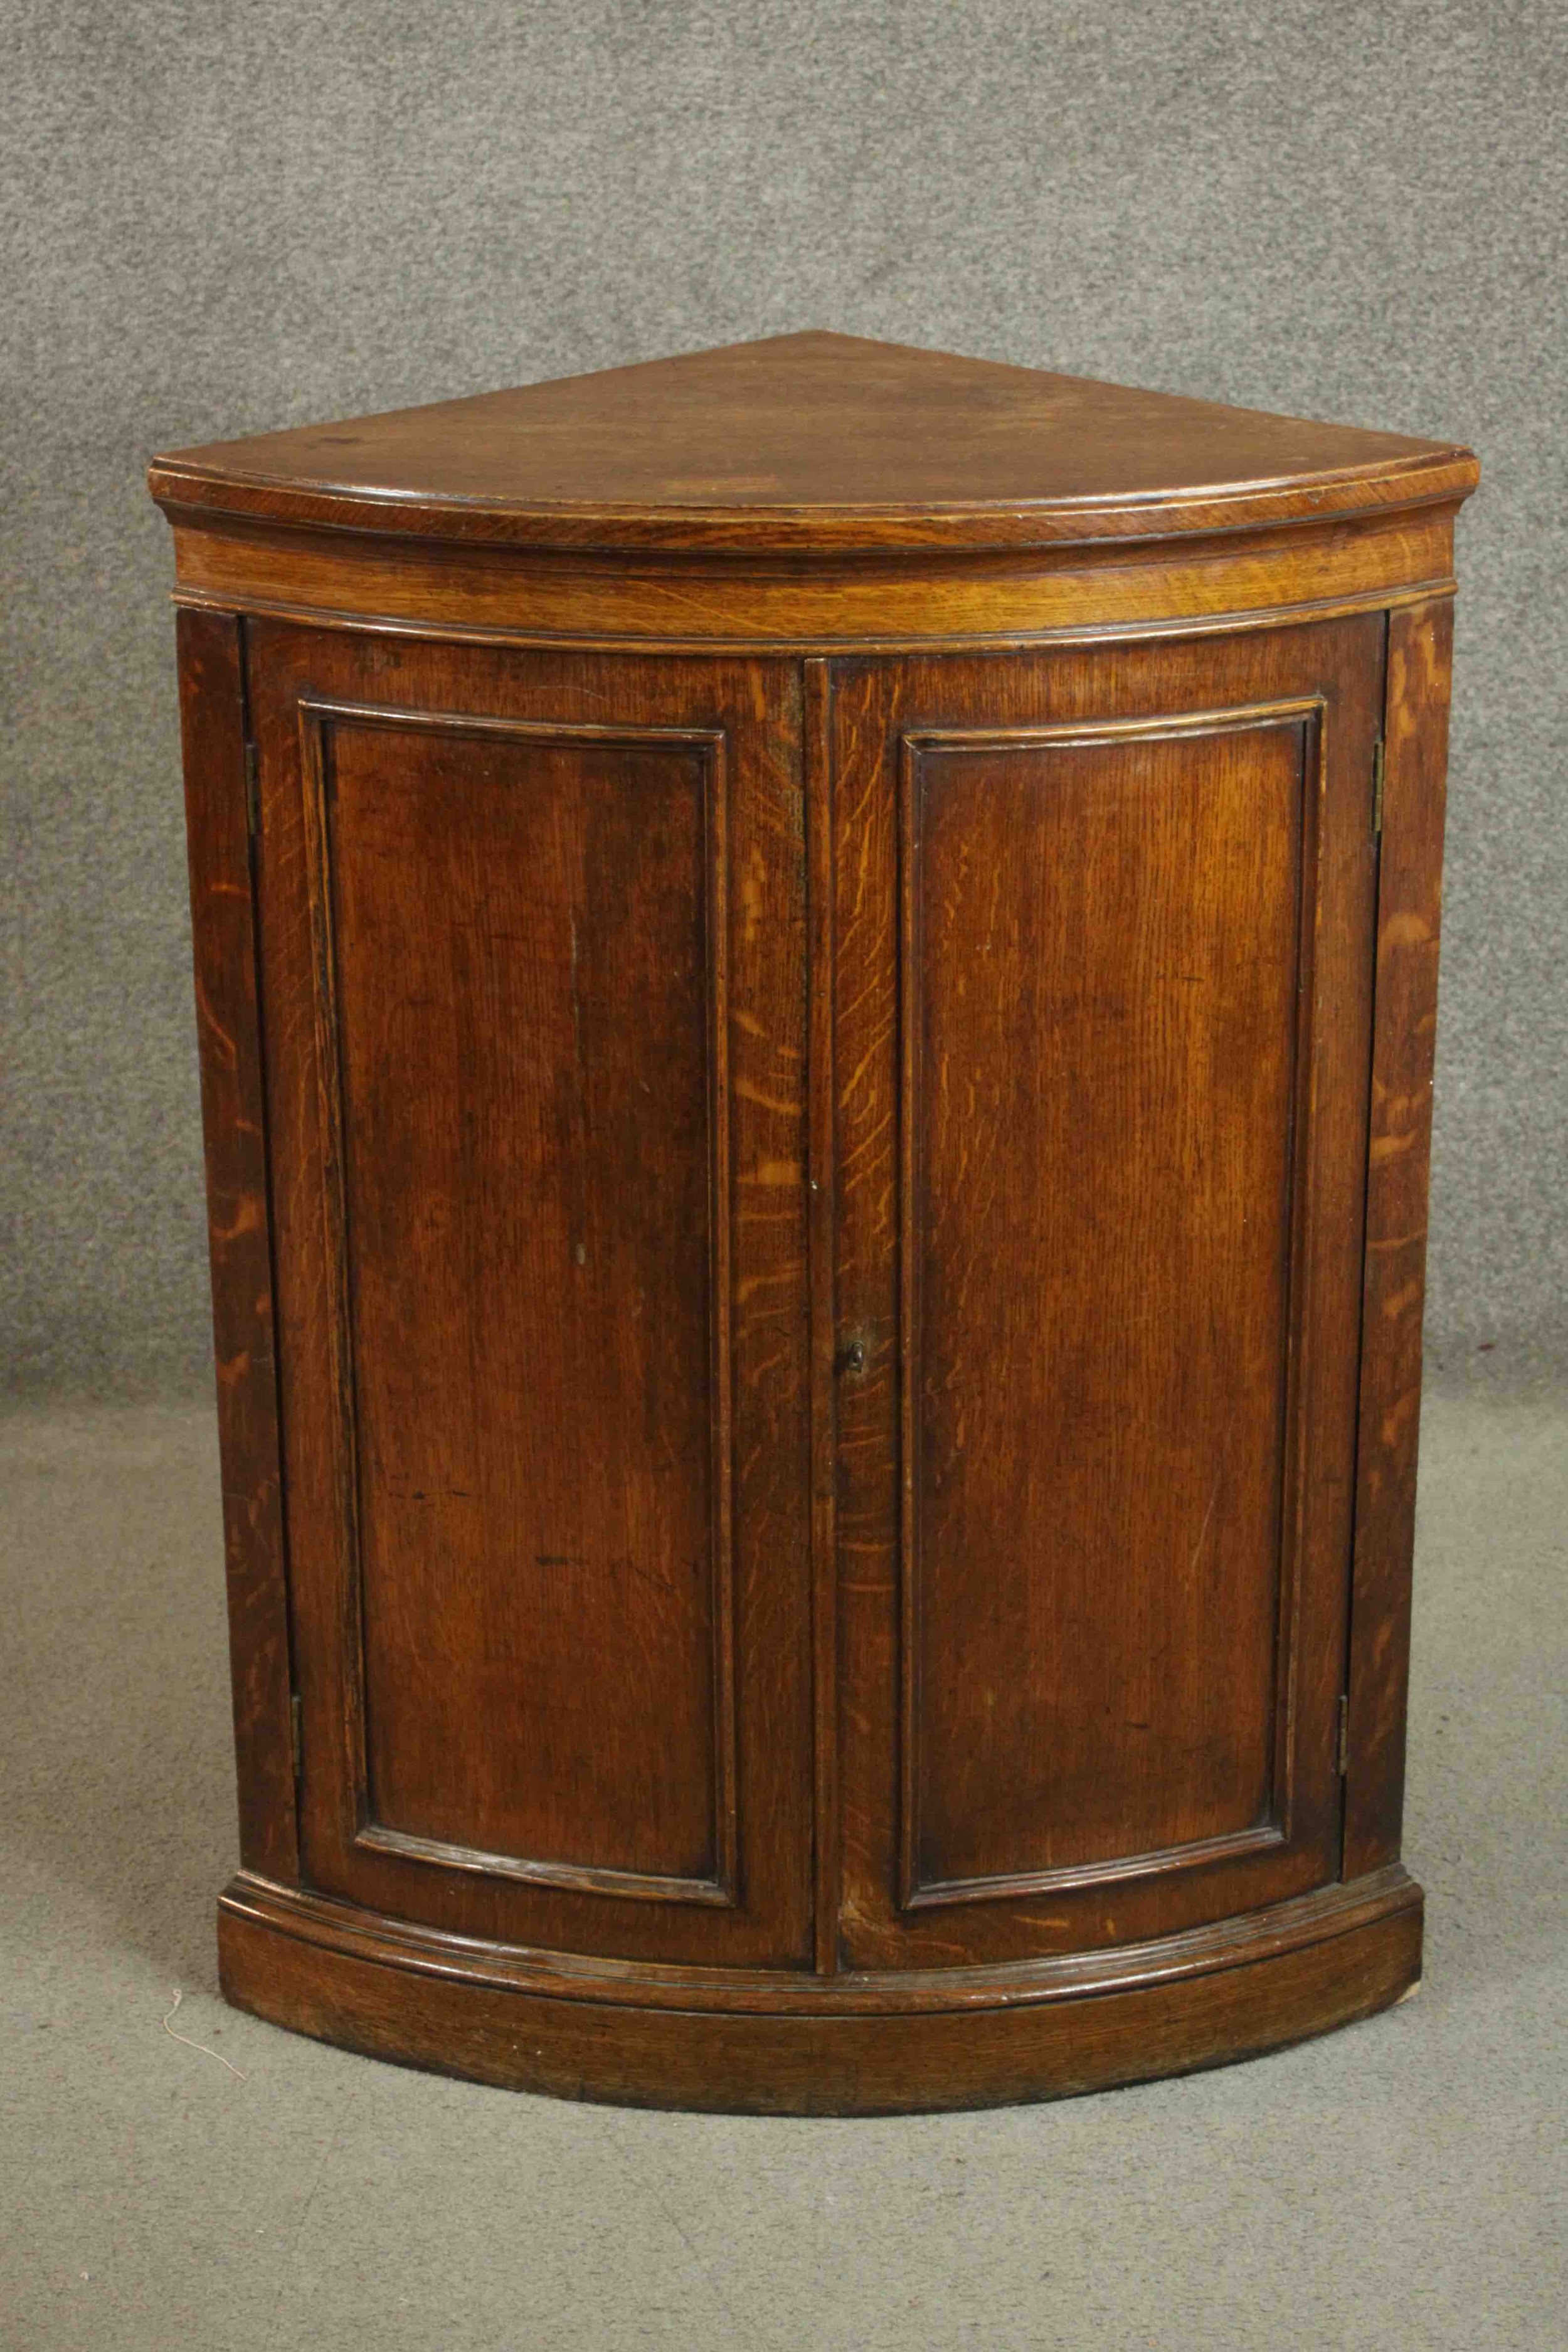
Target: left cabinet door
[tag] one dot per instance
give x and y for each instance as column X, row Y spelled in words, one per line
column 532, row 933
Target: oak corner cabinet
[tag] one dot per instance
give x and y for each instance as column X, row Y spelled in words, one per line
column 816, row 968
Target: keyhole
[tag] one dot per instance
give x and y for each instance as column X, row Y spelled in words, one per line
column 851, row 1358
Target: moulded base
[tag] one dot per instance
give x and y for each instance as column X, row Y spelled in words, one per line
column 766, row 2043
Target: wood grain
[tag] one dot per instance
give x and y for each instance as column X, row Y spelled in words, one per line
column 1307, row 570
column 984, row 2048
column 808, row 442
column 523, row 1028
column 1409, row 923
column 821, row 1089
column 539, row 1032
column 818, row 1099
column 332, row 1924
column 1109, row 1060
column 1105, row 1006
column 233, row 1122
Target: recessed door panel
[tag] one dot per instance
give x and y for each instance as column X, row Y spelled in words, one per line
column 519, row 925
column 534, row 934
column 1102, row 1004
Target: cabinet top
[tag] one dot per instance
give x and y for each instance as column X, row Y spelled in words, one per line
column 812, row 442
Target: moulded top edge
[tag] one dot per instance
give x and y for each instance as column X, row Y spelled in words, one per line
column 812, row 442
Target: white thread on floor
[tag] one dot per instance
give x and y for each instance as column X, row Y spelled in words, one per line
column 196, row 2046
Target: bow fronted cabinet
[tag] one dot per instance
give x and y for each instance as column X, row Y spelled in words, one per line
column 817, row 969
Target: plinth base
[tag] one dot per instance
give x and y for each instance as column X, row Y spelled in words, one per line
column 772, row 2043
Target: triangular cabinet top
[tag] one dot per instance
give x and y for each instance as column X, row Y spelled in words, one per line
column 812, row 442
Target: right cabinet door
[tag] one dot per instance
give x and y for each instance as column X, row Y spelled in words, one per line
column 1104, row 957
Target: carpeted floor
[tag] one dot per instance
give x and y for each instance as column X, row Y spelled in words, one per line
column 1398, row 2185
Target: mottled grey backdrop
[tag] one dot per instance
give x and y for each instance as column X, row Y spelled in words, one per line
column 228, row 217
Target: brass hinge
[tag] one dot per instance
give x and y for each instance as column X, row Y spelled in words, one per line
column 1343, row 1752
column 297, row 1734
column 1378, row 763
column 252, row 792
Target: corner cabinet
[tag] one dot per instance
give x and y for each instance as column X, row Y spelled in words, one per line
column 817, row 969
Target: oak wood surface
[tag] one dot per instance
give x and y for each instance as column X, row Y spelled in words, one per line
column 1100, row 1205
column 817, row 1098
column 527, row 1039
column 536, row 1040
column 1409, row 923
column 1103, row 1000
column 676, row 602
column 813, row 441
column 865, row 2062
column 307, row 1916
column 822, row 1212
column 233, row 1121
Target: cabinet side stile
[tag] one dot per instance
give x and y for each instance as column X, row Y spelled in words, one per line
column 1398, row 1163
column 227, row 972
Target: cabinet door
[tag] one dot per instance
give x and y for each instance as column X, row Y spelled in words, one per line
column 534, row 972
column 1102, row 1021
